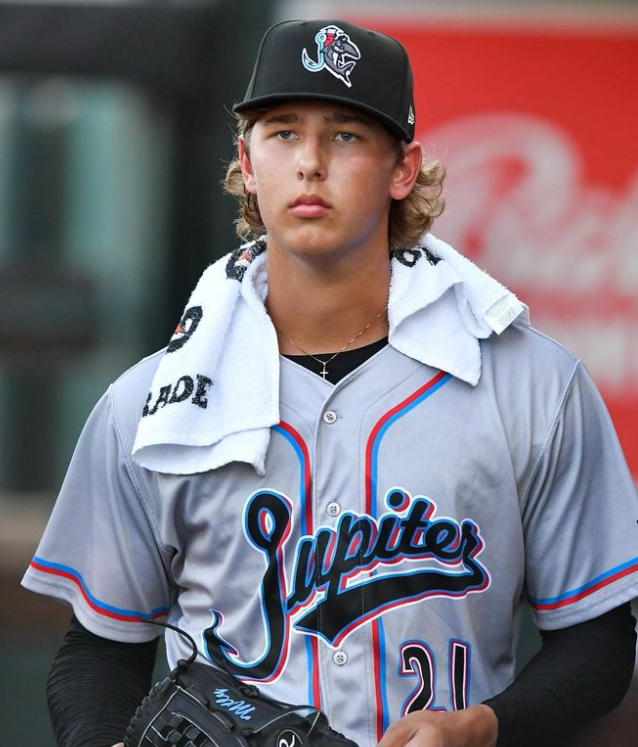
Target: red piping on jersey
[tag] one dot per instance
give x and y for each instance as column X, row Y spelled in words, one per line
column 307, row 479
column 380, row 423
column 376, row 664
column 100, row 608
column 584, row 591
column 376, row 648
column 306, row 471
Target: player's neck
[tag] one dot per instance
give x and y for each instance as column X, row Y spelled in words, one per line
column 321, row 309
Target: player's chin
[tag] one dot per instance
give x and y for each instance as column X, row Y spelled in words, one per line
column 313, row 238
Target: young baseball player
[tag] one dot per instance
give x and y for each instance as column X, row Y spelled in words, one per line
column 355, row 461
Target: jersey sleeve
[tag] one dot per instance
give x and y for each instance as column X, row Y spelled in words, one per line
column 580, row 515
column 100, row 551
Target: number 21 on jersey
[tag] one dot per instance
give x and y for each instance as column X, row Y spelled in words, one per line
column 417, row 660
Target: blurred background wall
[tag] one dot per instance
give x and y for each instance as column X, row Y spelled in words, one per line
column 114, row 134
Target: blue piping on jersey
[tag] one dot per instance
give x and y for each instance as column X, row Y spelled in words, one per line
column 573, row 595
column 302, row 481
column 384, row 694
column 311, row 663
column 384, row 428
column 98, row 605
column 373, row 495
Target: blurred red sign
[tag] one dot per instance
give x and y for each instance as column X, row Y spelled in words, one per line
column 536, row 123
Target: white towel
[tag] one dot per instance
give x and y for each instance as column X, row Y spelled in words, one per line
column 438, row 313
column 215, row 394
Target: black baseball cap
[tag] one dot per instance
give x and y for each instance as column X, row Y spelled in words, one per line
column 334, row 61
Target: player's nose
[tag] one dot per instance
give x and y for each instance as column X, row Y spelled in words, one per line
column 311, row 160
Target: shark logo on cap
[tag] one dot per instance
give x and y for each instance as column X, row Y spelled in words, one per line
column 333, row 50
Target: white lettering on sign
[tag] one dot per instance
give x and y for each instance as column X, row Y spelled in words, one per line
column 519, row 205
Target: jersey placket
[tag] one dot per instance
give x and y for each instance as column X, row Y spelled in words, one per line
column 337, row 497
column 345, row 647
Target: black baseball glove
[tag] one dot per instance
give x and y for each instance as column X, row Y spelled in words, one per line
column 197, row 706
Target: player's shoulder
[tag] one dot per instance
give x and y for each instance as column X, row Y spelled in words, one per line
column 129, row 391
column 139, row 376
column 523, row 338
column 528, row 355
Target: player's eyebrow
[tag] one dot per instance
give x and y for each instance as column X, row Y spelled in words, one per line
column 341, row 118
column 332, row 118
column 289, row 118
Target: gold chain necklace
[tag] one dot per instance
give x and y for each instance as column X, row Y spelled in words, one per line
column 324, row 370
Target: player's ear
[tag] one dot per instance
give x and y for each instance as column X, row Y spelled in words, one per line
column 246, row 167
column 406, row 170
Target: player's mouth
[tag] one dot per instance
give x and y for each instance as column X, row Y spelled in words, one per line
column 309, row 206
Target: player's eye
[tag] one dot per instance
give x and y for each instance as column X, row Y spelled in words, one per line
column 346, row 137
column 285, row 134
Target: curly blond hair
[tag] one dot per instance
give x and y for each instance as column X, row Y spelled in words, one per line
column 409, row 218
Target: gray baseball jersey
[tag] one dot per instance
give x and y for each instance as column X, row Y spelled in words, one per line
column 381, row 563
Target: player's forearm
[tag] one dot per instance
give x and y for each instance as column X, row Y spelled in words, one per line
column 95, row 686
column 580, row 674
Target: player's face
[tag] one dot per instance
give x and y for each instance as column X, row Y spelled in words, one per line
column 325, row 176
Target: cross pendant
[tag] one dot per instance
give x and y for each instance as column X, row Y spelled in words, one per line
column 324, row 371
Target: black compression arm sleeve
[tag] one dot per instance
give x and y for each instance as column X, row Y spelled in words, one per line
column 95, row 685
column 580, row 674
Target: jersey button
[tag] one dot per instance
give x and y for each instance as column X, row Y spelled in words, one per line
column 333, row 509
column 329, row 417
column 340, row 658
